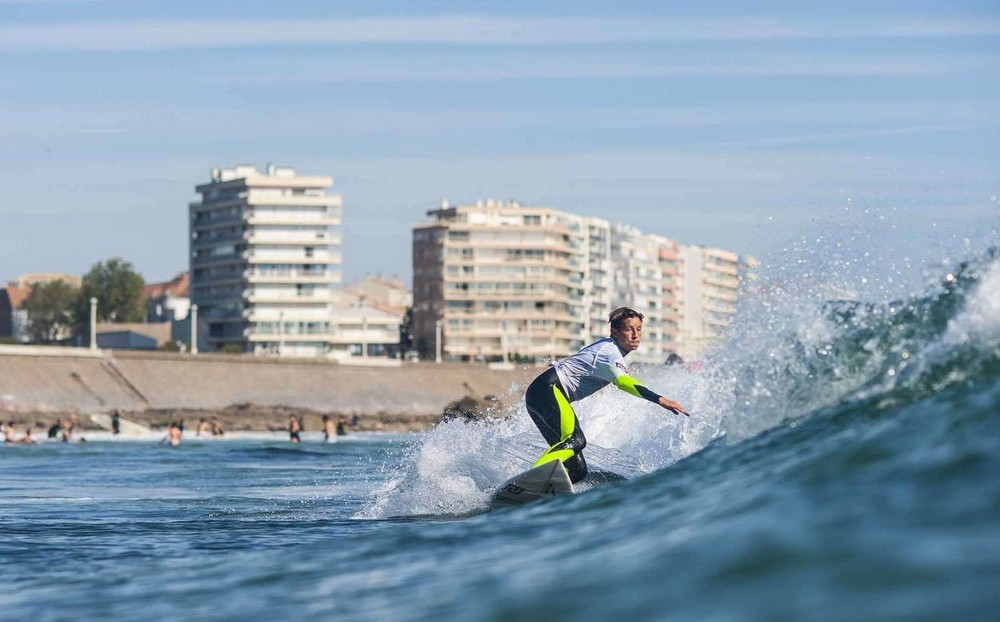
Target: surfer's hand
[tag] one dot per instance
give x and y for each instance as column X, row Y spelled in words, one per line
column 673, row 407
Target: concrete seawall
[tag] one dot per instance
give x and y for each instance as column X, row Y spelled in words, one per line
column 75, row 380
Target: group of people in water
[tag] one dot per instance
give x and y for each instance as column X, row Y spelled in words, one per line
column 331, row 429
column 62, row 430
column 175, row 432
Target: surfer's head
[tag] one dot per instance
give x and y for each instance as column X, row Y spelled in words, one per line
column 626, row 328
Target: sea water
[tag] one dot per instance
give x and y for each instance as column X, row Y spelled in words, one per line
column 842, row 462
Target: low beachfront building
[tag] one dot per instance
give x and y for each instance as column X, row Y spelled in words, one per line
column 132, row 336
column 13, row 317
column 169, row 300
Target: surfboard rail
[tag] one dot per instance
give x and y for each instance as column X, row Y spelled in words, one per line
column 543, row 481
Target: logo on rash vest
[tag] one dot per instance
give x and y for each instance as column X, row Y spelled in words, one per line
column 621, row 366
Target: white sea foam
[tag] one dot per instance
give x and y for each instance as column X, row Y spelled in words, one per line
column 456, row 466
column 979, row 321
column 790, row 352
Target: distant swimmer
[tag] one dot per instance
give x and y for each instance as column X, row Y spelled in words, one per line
column 174, row 434
column 55, row 429
column 203, row 428
column 70, row 428
column 27, row 439
column 217, row 427
column 329, row 430
column 294, row 428
column 342, row 427
column 549, row 396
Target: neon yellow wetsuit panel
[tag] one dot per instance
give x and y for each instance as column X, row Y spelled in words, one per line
column 567, row 424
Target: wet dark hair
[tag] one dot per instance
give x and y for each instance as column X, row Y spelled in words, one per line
column 619, row 315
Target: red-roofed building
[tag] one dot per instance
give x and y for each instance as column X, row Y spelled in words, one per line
column 168, row 300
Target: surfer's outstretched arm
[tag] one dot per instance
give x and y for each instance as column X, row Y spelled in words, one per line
column 631, row 385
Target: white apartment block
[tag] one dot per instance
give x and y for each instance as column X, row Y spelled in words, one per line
column 361, row 329
column 265, row 257
column 504, row 281
column 645, row 279
column 711, row 279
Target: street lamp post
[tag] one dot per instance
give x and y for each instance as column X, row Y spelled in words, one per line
column 364, row 336
column 93, row 323
column 438, row 330
column 281, row 334
column 194, row 329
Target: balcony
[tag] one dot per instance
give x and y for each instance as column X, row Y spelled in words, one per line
column 299, row 239
column 321, row 296
column 291, row 279
column 258, row 256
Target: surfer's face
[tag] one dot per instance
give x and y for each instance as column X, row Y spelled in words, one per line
column 627, row 337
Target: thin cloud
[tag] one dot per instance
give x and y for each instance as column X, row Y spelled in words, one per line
column 459, row 69
column 122, row 35
column 155, row 121
column 834, row 136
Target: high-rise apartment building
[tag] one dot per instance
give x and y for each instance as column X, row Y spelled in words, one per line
column 645, row 279
column 711, row 278
column 504, row 279
column 495, row 281
column 265, row 255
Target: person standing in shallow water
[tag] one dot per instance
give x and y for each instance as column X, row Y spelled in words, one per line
column 329, row 430
column 294, row 428
column 549, row 396
column 174, row 434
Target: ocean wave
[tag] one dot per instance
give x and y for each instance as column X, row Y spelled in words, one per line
column 790, row 354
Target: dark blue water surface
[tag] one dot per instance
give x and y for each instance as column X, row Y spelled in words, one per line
column 842, row 463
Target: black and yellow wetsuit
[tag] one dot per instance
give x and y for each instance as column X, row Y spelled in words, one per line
column 550, row 395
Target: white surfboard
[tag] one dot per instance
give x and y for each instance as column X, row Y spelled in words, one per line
column 547, row 480
column 128, row 428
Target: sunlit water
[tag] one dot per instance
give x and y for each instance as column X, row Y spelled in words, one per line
column 842, row 463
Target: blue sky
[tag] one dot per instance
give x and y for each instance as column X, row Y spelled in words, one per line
column 719, row 124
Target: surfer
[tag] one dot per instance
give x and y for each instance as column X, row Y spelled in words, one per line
column 549, row 396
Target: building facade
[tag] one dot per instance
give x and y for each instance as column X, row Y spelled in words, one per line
column 501, row 281
column 504, row 280
column 265, row 258
column 711, row 280
column 169, row 300
column 646, row 279
column 13, row 318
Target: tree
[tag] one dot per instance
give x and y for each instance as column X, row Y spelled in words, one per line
column 50, row 311
column 118, row 289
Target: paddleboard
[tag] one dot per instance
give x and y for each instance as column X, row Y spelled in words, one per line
column 547, row 480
